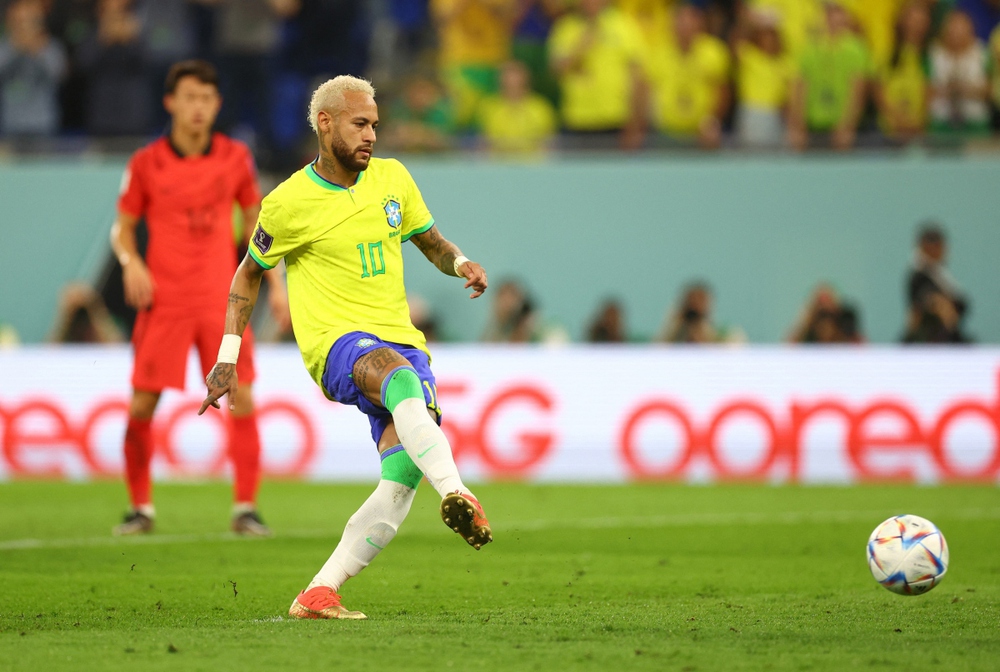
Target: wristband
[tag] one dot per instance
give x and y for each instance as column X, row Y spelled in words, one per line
column 229, row 351
column 459, row 260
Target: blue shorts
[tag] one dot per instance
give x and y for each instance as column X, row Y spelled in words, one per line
column 338, row 380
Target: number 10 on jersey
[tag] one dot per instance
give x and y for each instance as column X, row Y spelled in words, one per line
column 374, row 256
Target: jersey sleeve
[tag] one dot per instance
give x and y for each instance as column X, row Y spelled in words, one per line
column 248, row 193
column 416, row 217
column 275, row 235
column 132, row 196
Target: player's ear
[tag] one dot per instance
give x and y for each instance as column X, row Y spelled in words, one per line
column 324, row 120
column 168, row 103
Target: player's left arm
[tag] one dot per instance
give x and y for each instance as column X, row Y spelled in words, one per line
column 449, row 259
column 277, row 297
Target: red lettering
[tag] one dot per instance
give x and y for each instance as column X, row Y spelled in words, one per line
column 534, row 445
column 16, row 437
column 936, row 440
column 636, row 465
column 862, row 440
column 86, row 446
column 802, row 414
column 757, row 472
column 301, row 461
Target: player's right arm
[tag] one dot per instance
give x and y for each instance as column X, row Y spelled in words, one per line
column 222, row 380
column 136, row 277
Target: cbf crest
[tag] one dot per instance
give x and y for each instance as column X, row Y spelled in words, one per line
column 393, row 212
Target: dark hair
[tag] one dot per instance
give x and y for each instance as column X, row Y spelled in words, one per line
column 931, row 232
column 203, row 71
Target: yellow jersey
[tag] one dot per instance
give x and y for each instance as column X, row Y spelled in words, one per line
column 801, row 21
column 343, row 254
column 597, row 96
column 763, row 79
column 523, row 126
column 905, row 88
column 478, row 34
column 686, row 86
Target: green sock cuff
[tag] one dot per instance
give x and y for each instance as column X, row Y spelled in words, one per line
column 399, row 468
column 403, row 383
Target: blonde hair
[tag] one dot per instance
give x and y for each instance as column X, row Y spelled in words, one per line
column 329, row 95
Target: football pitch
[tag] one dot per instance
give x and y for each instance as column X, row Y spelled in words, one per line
column 658, row 577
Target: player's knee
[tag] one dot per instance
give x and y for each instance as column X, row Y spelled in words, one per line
column 399, row 468
column 401, row 384
column 143, row 404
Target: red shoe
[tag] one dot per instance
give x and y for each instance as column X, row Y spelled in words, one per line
column 321, row 602
column 463, row 514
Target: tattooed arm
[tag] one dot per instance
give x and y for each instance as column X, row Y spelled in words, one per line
column 222, row 380
column 443, row 253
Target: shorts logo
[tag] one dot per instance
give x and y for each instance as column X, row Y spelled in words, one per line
column 365, row 342
column 393, row 214
column 262, row 239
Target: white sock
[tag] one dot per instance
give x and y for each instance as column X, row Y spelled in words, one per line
column 369, row 530
column 427, row 446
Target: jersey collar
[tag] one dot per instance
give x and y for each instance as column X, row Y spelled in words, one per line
column 325, row 183
column 177, row 152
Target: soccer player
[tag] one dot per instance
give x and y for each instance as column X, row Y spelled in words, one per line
column 339, row 224
column 186, row 185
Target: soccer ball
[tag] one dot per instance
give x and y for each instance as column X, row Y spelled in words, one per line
column 908, row 555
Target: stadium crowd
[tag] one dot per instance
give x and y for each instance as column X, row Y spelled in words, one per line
column 514, row 76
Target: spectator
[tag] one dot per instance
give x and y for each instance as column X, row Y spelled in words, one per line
column 828, row 98
column 31, row 67
column 608, row 325
column 985, row 15
column 475, row 39
column 596, row 55
column 764, row 75
column 826, row 319
column 83, row 318
column 690, row 79
column 691, row 320
column 118, row 101
column 801, row 21
column 959, row 86
column 247, row 36
column 168, row 36
column 876, row 21
column 517, row 121
column 654, row 19
column 937, row 305
column 532, row 26
column 902, row 89
column 513, row 318
column 72, row 22
column 422, row 118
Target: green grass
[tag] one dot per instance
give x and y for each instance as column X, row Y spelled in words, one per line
column 638, row 577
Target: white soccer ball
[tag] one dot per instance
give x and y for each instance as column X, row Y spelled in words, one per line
column 908, row 555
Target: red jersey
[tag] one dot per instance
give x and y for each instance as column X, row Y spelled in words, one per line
column 188, row 206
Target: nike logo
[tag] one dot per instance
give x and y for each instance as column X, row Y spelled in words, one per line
column 427, row 451
column 369, row 540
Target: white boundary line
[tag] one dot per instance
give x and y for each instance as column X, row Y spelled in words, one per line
column 601, row 523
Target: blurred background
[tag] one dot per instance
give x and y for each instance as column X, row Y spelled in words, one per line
column 628, row 171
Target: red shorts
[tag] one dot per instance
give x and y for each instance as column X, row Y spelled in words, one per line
column 163, row 339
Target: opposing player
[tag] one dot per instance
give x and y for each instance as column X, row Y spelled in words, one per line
column 185, row 185
column 339, row 224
